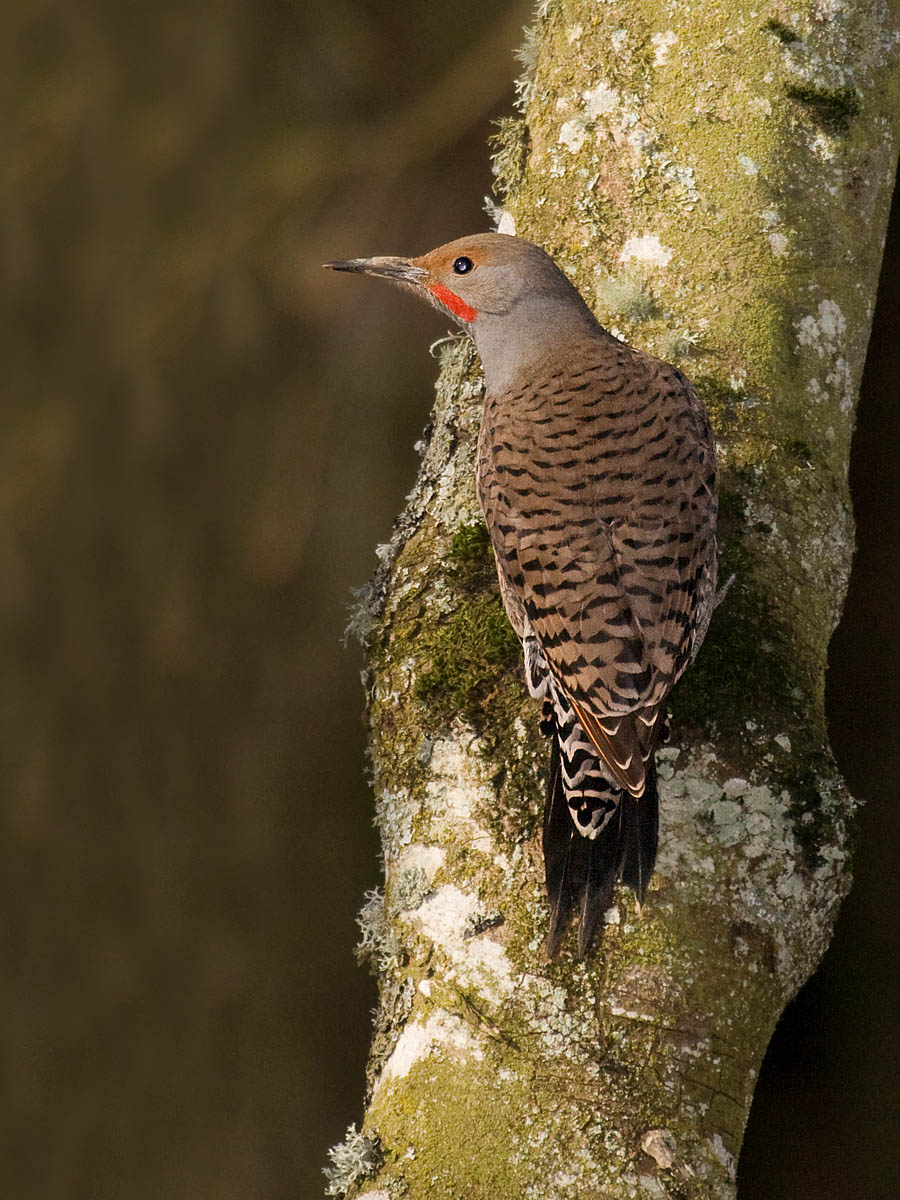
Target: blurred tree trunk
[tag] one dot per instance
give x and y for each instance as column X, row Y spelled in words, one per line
column 717, row 180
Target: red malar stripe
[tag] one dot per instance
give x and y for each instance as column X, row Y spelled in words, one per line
column 452, row 301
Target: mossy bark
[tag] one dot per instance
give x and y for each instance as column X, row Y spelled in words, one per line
column 716, row 179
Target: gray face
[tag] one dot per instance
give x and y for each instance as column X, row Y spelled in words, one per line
column 507, row 293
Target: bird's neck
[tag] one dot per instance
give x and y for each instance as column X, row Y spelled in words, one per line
column 516, row 352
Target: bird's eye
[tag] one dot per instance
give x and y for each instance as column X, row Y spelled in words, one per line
column 463, row 265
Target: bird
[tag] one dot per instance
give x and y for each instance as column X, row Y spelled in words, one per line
column 596, row 477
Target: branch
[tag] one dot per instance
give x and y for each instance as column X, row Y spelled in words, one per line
column 719, row 183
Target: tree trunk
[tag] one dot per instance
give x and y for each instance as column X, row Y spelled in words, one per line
column 716, row 179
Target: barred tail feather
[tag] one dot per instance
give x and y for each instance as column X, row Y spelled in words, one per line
column 581, row 872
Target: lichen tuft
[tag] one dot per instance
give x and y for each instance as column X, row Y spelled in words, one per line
column 626, row 295
column 354, row 1159
column 378, row 943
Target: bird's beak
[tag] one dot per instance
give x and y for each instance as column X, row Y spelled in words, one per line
column 399, row 269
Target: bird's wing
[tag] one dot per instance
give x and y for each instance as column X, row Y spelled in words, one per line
column 610, row 612
column 613, row 607
column 600, row 500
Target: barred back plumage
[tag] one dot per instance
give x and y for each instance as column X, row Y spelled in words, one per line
column 596, row 474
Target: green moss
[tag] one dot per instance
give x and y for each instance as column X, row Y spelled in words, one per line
column 466, row 658
column 742, row 666
column 509, row 154
column 486, row 1124
column 729, row 408
column 475, row 1121
column 447, row 653
column 470, row 550
column 833, row 109
column 799, row 451
column 783, row 32
column 468, row 661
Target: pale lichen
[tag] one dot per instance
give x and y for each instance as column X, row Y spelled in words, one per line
column 378, row 942
column 662, row 44
column 646, row 248
column 352, row 1160
column 442, row 1033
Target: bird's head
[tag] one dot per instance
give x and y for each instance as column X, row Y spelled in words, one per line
column 508, row 293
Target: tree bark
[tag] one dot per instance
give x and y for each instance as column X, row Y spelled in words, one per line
column 716, row 179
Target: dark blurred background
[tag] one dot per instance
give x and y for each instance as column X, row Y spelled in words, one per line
column 205, row 438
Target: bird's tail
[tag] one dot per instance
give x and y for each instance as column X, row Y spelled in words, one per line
column 582, row 872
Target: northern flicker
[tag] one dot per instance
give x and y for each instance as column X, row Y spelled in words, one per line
column 596, row 474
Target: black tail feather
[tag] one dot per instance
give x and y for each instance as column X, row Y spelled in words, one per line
column 603, row 856
column 559, row 833
column 642, row 836
column 582, row 872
